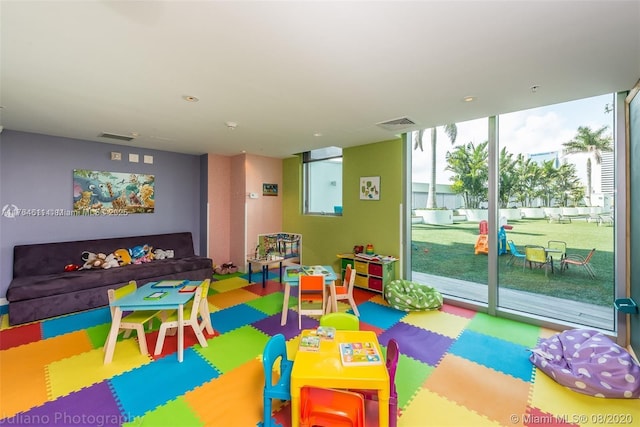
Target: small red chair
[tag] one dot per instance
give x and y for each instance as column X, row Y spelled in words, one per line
column 331, row 408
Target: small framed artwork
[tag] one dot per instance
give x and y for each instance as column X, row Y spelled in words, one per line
column 369, row 188
column 269, row 189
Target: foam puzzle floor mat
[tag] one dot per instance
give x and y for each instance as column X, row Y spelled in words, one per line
column 456, row 368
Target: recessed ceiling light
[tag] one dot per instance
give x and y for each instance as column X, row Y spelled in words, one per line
column 535, row 88
column 231, row 125
column 469, row 98
column 317, row 134
column 190, row 98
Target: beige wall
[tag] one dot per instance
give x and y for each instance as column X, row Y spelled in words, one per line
column 235, row 220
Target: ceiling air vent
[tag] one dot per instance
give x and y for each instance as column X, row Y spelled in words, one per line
column 116, row 136
column 397, row 124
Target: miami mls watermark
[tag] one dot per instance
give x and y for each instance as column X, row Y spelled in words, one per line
column 13, row 211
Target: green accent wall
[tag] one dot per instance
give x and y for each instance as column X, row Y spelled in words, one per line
column 362, row 221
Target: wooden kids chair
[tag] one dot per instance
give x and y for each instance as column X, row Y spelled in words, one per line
column 134, row 320
column 345, row 291
column 311, row 291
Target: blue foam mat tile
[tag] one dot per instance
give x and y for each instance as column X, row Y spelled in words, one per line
column 499, row 355
column 149, row 386
column 379, row 315
column 234, row 317
column 75, row 322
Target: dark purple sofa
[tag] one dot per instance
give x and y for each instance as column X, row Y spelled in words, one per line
column 41, row 288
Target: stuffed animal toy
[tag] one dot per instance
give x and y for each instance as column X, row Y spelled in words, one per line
column 163, row 254
column 140, row 251
column 110, row 261
column 92, row 260
column 71, row 267
column 122, row 256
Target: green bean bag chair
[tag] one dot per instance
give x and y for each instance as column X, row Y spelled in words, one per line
column 411, row 296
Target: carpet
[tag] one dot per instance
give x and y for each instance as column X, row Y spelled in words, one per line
column 456, row 368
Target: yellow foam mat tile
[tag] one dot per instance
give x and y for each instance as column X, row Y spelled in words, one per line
column 231, row 298
column 379, row 299
column 228, row 284
column 443, row 323
column 442, row 413
column 234, row 399
column 24, row 381
column 479, row 388
column 89, row 368
column 553, row 398
column 4, row 321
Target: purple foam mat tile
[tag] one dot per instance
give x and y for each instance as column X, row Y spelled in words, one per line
column 425, row 346
column 91, row 406
column 271, row 324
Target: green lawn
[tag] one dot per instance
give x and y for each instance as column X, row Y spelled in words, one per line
column 448, row 250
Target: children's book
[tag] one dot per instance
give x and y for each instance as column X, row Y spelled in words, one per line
column 169, row 284
column 309, row 343
column 326, row 332
column 314, row 270
column 293, row 272
column 188, row 288
column 156, row 295
column 359, row 354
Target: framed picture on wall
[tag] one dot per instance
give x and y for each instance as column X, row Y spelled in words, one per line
column 269, row 189
column 369, row 188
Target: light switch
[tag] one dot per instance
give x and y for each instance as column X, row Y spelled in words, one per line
column 148, row 159
column 134, row 158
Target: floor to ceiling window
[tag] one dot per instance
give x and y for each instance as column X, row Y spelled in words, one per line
column 554, row 198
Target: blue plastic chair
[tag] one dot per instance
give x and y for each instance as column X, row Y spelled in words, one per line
column 514, row 253
column 276, row 349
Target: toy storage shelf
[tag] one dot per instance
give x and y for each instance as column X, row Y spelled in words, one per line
column 371, row 274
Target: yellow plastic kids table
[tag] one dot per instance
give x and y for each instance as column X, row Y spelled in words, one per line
column 324, row 368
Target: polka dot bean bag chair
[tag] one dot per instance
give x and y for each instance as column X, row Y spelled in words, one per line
column 410, row 296
column 588, row 362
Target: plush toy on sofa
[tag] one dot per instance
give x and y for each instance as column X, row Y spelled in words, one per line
column 163, row 254
column 96, row 261
column 141, row 253
column 122, row 256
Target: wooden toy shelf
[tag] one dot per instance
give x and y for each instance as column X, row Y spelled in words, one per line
column 372, row 273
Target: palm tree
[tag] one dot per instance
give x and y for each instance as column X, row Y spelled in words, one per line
column 592, row 143
column 452, row 132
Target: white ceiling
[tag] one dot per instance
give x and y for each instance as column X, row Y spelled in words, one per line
column 286, row 70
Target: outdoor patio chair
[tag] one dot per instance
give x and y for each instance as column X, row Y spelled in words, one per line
column 605, row 219
column 558, row 249
column 537, row 255
column 579, row 260
column 515, row 254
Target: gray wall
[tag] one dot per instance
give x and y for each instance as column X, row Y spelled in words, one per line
column 36, row 172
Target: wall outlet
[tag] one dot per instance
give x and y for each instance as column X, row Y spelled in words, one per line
column 253, row 195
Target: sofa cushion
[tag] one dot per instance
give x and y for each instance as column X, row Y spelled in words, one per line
column 29, row 287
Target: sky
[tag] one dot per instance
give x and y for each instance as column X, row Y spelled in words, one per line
column 538, row 130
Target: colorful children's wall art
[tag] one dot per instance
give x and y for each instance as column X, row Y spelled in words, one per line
column 369, row 188
column 112, row 193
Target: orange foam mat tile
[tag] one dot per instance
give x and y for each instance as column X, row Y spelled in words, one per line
column 46, row 351
column 83, row 370
column 22, row 370
column 440, row 322
column 442, row 413
column 479, row 388
column 379, row 299
column 231, row 298
column 234, row 399
column 556, row 399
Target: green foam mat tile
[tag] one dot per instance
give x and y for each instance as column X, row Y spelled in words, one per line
column 174, row 413
column 232, row 349
column 508, row 330
column 270, row 304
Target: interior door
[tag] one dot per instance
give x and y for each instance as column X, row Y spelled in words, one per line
column 633, row 134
